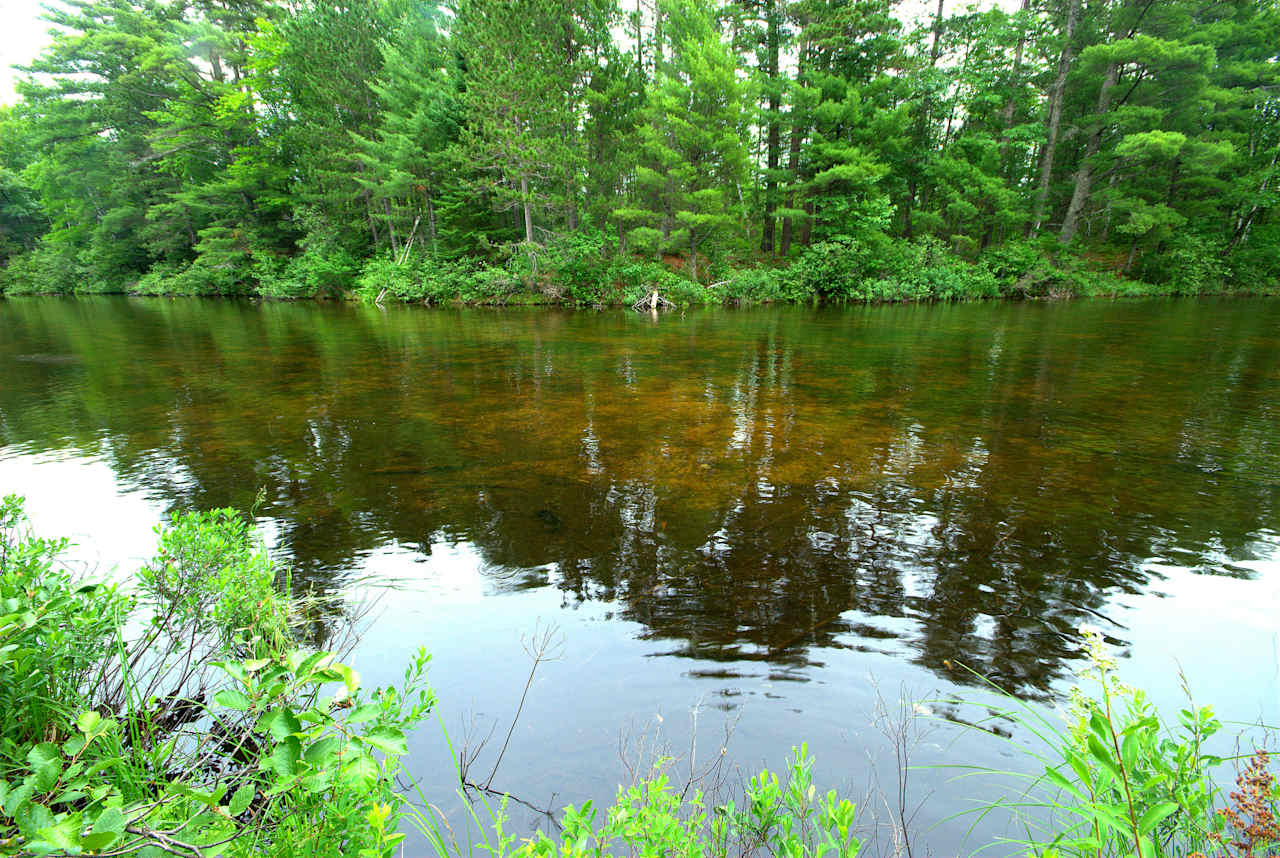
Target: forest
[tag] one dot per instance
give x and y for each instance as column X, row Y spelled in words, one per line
column 591, row 151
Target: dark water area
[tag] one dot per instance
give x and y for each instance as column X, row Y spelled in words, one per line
column 770, row 517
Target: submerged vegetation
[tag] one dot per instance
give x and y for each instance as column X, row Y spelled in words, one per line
column 590, row 152
column 185, row 717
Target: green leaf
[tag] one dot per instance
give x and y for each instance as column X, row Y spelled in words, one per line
column 323, row 752
column 234, row 669
column 1060, row 781
column 389, row 740
column 362, row 772
column 363, row 712
column 285, row 756
column 17, row 798
column 88, row 721
column 240, row 801
column 232, row 699
column 110, row 821
column 32, row 817
column 1098, row 724
column 279, row 723
column 63, row 835
column 1081, row 768
column 98, row 841
column 1100, row 753
column 46, row 765
column 1129, row 750
column 1154, row 816
column 303, row 670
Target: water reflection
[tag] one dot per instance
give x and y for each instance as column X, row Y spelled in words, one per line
column 951, row 485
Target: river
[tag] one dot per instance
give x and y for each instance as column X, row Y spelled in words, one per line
column 775, row 520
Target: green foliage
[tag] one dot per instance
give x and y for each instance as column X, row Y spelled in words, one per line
column 283, row 752
column 210, row 573
column 1190, row 264
column 845, row 269
column 1131, row 784
column 51, row 630
column 186, row 718
column 760, row 286
column 420, row 278
column 1120, row 780
column 274, row 149
column 577, row 267
column 785, row 819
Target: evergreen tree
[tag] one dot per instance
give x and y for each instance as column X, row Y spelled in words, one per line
column 693, row 159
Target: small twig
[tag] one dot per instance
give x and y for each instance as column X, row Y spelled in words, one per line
column 539, row 647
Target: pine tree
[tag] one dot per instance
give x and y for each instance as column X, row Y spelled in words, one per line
column 405, row 159
column 693, row 158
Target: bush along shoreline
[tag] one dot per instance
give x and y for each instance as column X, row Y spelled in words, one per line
column 585, row 270
column 186, row 716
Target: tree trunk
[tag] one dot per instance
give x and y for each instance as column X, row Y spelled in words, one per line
column 1054, row 120
column 693, row 254
column 528, row 209
column 774, row 133
column 1006, row 115
column 799, row 127
column 431, row 224
column 1244, row 222
column 936, row 50
column 1084, row 175
column 391, row 228
column 639, row 40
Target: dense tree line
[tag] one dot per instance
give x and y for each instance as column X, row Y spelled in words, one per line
column 588, row 150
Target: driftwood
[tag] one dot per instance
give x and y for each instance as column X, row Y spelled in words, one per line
column 653, row 302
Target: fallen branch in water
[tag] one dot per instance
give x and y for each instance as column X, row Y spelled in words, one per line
column 653, row 302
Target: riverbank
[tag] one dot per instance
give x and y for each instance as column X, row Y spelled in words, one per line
column 585, row 273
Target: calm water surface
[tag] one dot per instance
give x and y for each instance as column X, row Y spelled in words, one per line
column 768, row 517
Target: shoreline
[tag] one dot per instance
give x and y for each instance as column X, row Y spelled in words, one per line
column 546, row 303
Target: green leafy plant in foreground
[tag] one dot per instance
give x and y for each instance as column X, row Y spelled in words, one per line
column 1118, row 780
column 184, row 719
column 784, row 818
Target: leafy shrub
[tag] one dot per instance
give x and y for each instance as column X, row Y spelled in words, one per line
column 577, row 267
column 881, row 269
column 51, row 633
column 785, row 819
column 1188, row 264
column 316, row 272
column 1254, row 266
column 193, row 279
column 211, row 573
column 760, row 286
column 1042, row 269
column 634, row 278
column 46, row 270
column 832, row 269
column 144, row 728
column 1119, row 780
column 420, row 278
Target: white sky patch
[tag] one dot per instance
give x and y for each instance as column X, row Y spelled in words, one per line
column 23, row 35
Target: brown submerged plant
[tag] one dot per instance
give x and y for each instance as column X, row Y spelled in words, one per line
column 1252, row 830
